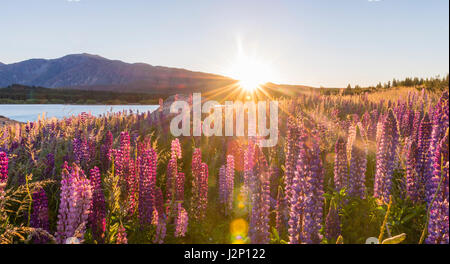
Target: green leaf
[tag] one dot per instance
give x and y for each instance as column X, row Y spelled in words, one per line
column 395, row 239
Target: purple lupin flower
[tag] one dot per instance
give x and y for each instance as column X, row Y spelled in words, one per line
column 295, row 204
column 438, row 225
column 98, row 211
column 260, row 202
column 313, row 199
column 199, row 199
column 412, row 179
column 358, row 162
column 123, row 155
column 407, row 122
column 222, row 184
column 171, row 175
column 181, row 221
column 293, row 134
column 49, row 165
column 440, row 125
column 83, row 150
column 74, row 207
column 415, row 126
column 280, row 209
column 332, row 223
column 147, row 181
column 366, row 122
column 3, row 168
column 77, row 150
column 424, row 138
column 106, row 149
column 305, row 211
column 39, row 215
column 226, row 184
column 340, row 165
column 161, row 230
column 249, row 164
column 386, row 151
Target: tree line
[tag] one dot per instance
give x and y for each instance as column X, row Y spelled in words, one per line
column 432, row 84
column 21, row 94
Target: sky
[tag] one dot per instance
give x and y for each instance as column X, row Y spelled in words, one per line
column 326, row 43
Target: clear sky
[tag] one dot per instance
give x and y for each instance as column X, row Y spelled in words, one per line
column 329, row 43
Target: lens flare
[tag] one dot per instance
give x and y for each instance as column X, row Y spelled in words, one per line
column 238, row 231
column 251, row 72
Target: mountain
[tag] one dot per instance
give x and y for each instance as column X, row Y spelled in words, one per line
column 93, row 72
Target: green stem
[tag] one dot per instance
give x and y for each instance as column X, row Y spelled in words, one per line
column 31, row 199
column 380, row 238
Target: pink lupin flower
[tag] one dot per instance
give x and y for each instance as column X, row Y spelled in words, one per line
column 147, row 180
column 181, row 222
column 3, row 168
column 75, row 203
column 121, row 236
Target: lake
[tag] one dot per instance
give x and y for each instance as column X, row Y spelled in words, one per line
column 30, row 112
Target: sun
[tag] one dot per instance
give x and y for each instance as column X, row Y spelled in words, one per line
column 250, row 72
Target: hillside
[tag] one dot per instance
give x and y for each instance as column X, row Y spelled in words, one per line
column 92, row 72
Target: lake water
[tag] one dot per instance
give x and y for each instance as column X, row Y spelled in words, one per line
column 30, row 112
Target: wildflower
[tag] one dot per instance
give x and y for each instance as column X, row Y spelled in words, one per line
column 181, row 221
column 160, row 230
column 332, row 223
column 175, row 149
column 121, row 235
column 230, row 181
column 305, row 211
column 438, row 226
column 106, row 148
column 412, row 179
column 340, row 165
column 180, row 186
column 147, row 180
column 199, row 199
column 260, row 202
column 98, row 211
column 39, row 215
column 292, row 137
column 75, row 203
column 280, row 209
column 171, row 175
column 313, row 199
column 249, row 164
column 424, row 138
column 222, row 184
column 386, row 150
column 226, row 183
column 440, row 124
column 3, row 167
column 49, row 165
column 358, row 162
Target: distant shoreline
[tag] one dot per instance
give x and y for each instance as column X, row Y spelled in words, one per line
column 23, row 113
column 21, row 103
column 4, row 121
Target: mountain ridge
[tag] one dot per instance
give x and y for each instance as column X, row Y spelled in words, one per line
column 93, row 72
